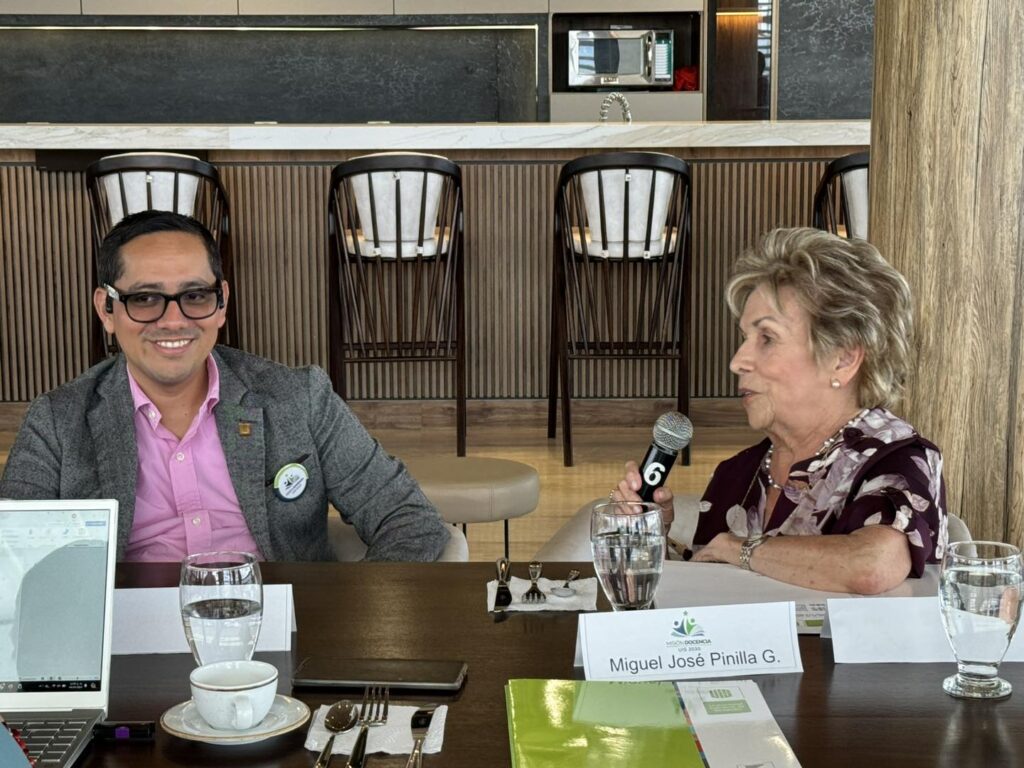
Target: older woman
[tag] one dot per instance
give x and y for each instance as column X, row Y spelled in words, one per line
column 841, row 495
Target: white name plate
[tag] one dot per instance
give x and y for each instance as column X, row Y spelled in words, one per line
column 149, row 620
column 690, row 643
column 878, row 630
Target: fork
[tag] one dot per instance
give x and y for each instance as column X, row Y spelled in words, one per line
column 372, row 712
column 533, row 594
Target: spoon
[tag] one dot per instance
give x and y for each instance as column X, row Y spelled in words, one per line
column 340, row 717
column 565, row 590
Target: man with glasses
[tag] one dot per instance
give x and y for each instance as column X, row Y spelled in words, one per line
column 208, row 448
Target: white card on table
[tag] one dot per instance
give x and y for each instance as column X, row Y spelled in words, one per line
column 149, row 620
column 690, row 643
column 894, row 629
column 690, row 584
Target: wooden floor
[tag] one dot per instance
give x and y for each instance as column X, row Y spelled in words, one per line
column 600, row 453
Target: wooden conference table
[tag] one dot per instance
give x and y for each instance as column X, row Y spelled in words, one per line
column 846, row 715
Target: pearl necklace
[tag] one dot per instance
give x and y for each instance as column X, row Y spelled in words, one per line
column 828, row 445
column 766, row 465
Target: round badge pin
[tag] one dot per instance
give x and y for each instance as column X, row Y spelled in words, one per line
column 290, row 481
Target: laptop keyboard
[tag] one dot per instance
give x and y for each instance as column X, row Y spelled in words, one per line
column 49, row 741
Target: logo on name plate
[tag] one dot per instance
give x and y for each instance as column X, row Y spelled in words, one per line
column 687, row 626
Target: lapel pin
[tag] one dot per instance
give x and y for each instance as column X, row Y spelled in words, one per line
column 290, row 481
column 244, row 428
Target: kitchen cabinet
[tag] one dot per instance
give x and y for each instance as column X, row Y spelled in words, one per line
column 316, row 7
column 645, row 106
column 163, row 8
column 412, row 7
column 41, row 6
column 617, row 6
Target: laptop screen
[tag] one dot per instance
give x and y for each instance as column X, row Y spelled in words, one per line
column 53, row 597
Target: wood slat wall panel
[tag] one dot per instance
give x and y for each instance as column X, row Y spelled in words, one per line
column 44, row 280
column 278, row 213
column 734, row 204
column 508, row 245
column 279, row 243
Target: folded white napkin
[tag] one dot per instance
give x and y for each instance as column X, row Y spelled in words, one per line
column 393, row 738
column 585, row 598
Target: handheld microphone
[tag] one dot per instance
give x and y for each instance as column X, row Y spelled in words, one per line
column 672, row 432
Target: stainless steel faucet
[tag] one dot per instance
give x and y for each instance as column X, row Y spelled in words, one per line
column 627, row 116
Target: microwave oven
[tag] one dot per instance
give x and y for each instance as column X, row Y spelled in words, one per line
column 620, row 57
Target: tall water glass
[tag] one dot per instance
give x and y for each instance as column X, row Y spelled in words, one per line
column 628, row 542
column 221, row 605
column 980, row 598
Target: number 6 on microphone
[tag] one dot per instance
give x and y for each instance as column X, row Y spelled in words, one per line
column 654, row 474
column 672, row 433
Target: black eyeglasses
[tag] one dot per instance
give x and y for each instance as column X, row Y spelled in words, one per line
column 149, row 306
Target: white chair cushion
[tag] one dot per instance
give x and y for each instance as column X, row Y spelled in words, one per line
column 855, row 188
column 636, row 249
column 385, row 186
column 613, row 183
column 400, row 154
column 389, row 248
column 151, row 155
column 162, row 184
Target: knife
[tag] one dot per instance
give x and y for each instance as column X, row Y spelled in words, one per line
column 503, row 597
column 420, row 725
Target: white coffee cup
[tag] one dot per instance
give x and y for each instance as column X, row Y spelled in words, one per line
column 234, row 695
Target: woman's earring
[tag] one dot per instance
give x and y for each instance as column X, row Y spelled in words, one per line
column 836, row 384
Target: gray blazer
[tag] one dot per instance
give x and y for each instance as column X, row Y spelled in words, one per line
column 77, row 442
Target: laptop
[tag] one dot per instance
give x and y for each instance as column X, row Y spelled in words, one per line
column 57, row 563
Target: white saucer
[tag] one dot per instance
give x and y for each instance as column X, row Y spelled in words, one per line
column 183, row 720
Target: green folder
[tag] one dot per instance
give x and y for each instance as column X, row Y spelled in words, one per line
column 585, row 724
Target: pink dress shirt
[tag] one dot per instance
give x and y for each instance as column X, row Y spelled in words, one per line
column 184, row 500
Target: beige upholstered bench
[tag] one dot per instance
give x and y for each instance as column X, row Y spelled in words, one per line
column 472, row 489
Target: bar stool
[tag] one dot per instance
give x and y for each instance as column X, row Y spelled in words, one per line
column 477, row 489
column 395, row 267
column 841, row 200
column 621, row 276
column 120, row 185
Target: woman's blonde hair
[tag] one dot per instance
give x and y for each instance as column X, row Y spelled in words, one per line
column 854, row 297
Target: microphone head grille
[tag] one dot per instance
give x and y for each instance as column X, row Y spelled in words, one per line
column 673, row 431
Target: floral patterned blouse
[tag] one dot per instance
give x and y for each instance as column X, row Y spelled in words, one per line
column 880, row 472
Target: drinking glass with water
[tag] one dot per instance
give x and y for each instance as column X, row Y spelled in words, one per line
column 221, row 605
column 628, row 542
column 980, row 594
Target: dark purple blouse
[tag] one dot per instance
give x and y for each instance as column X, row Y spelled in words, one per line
column 880, row 472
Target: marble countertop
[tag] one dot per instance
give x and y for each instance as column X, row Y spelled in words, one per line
column 494, row 136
